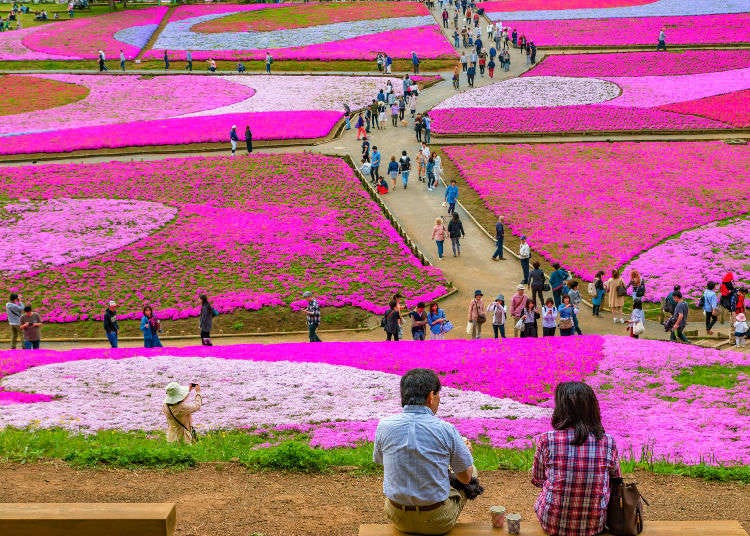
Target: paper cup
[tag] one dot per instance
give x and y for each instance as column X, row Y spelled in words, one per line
column 497, row 516
column 514, row 523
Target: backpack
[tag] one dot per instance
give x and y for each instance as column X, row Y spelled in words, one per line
column 384, row 319
column 702, row 302
column 669, row 304
column 405, row 163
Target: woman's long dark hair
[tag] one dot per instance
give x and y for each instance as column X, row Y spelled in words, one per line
column 576, row 407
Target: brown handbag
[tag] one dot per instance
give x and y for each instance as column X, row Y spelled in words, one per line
column 625, row 509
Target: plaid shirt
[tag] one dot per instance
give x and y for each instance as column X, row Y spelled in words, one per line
column 574, row 482
column 313, row 313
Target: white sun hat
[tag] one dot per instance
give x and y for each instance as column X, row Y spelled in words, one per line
column 176, row 393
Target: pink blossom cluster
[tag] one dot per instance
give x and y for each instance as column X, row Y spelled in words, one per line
column 696, row 257
column 581, row 204
column 641, row 63
column 533, row 5
column 625, row 31
column 82, row 38
column 250, row 232
column 732, row 108
column 634, row 381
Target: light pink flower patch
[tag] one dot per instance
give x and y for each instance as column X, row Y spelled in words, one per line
column 604, row 222
column 68, row 230
column 695, row 257
column 12, row 47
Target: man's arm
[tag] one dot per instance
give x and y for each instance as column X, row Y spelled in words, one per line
column 462, row 461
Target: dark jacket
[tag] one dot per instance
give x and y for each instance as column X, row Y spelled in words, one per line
column 456, row 229
column 391, row 321
column 110, row 322
column 537, row 279
column 207, row 317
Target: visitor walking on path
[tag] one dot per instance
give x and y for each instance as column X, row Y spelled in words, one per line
column 111, row 327
column 556, row 280
column 404, row 165
column 233, row 138
column 662, row 45
column 499, row 239
column 179, row 412
column 456, row 231
column 498, row 312
column 616, row 293
column 248, row 139
column 537, row 281
column 599, row 291
column 375, row 164
column 393, row 170
column 430, row 169
column 360, row 124
column 150, row 327
column 166, row 60
column 637, row 284
column 573, row 464
column 477, row 315
column 102, row 61
column 31, row 325
column 206, row 320
column 439, row 234
column 122, row 61
column 524, row 254
column 517, row 306
column 451, row 197
column 679, row 318
column 312, row 313
column 636, row 316
column 710, row 306
column 189, row 61
column 14, row 309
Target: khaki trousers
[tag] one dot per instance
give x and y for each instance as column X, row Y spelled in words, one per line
column 434, row 522
column 15, row 336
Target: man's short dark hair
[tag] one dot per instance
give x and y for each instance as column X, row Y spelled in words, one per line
column 13, row 296
column 416, row 385
column 677, row 294
column 27, row 309
column 711, row 285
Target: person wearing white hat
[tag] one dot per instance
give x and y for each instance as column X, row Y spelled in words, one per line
column 517, row 306
column 233, row 138
column 111, row 327
column 179, row 411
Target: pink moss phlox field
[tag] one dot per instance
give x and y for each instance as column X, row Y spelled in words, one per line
column 604, row 221
column 196, row 10
column 325, row 234
column 293, row 125
column 12, row 47
column 732, row 108
column 634, row 381
column 693, row 30
column 427, row 41
column 82, row 38
column 533, row 5
column 641, row 63
column 695, row 257
column 111, row 100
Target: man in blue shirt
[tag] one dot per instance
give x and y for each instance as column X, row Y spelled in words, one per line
column 419, row 452
column 710, row 306
column 451, row 196
column 427, row 125
column 375, row 164
column 415, row 62
column 556, row 280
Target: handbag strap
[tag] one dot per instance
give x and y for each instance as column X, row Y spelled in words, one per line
column 178, row 420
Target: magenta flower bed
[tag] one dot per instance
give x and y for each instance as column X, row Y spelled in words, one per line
column 695, row 257
column 641, row 63
column 533, row 5
column 82, row 38
column 500, row 393
column 732, row 108
column 250, row 232
column 690, row 30
column 603, row 221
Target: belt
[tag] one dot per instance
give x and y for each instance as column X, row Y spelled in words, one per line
column 411, row 508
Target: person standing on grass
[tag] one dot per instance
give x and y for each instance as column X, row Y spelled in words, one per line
column 179, row 412
column 312, row 313
column 111, row 327
column 451, row 197
column 456, row 232
column 388, row 64
column 166, row 60
column 426, row 463
column 14, row 309
column 150, row 327
column 499, row 239
column 122, row 61
column 269, row 61
column 189, row 61
column 102, row 61
column 415, row 62
column 31, row 325
column 248, row 139
column 524, row 254
column 477, row 315
column 233, row 138
column 679, row 318
column 574, row 464
column 206, row 320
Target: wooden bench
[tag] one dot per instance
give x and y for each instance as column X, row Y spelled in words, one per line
column 528, row 528
column 87, row 519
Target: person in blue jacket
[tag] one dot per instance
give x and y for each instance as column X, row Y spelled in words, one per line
column 451, row 196
column 556, row 281
column 150, row 326
column 375, row 164
column 233, row 138
column 415, row 62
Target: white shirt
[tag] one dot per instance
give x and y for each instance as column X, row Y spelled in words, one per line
column 524, row 251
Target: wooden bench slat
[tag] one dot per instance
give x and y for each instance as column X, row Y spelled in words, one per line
column 528, row 528
column 87, row 519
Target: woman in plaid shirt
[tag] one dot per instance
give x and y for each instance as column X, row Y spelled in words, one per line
column 573, row 465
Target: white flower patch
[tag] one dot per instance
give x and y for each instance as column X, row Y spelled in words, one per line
column 535, row 92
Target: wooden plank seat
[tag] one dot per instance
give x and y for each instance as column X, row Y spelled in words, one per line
column 529, row 528
column 87, row 519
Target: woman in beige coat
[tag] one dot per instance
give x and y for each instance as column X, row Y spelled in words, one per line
column 179, row 411
column 614, row 301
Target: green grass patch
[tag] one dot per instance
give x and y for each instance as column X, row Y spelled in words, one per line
column 269, row 450
column 711, row 376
